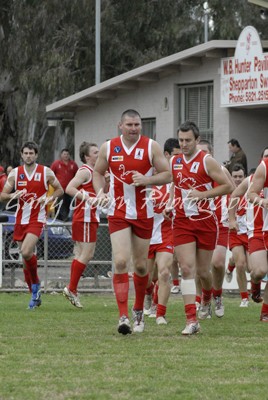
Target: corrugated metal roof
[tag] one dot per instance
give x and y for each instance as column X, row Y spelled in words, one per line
column 153, row 71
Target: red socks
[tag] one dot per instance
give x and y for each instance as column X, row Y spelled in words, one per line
column 244, row 295
column 31, row 266
column 77, row 269
column 206, row 296
column 160, row 310
column 264, row 308
column 198, row 299
column 150, row 289
column 121, row 287
column 255, row 287
column 231, row 267
column 140, row 284
column 27, row 278
column 190, row 312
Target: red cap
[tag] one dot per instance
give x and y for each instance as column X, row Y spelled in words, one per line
column 2, row 169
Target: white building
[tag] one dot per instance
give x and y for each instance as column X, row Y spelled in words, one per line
column 185, row 85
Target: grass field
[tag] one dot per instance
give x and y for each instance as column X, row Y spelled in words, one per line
column 60, row 352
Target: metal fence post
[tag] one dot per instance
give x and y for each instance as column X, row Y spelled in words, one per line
column 1, row 254
column 45, row 257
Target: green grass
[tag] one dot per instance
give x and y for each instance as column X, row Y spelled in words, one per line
column 59, row 352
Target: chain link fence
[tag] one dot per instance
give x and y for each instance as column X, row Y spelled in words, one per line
column 55, row 251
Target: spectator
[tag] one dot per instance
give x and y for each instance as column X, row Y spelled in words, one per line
column 12, row 204
column 65, row 170
column 3, row 178
column 238, row 156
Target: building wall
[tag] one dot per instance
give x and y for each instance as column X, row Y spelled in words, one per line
column 250, row 128
column 101, row 123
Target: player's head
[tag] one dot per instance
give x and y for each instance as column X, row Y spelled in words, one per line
column 264, row 153
column 29, row 153
column 189, row 136
column 86, row 149
column 130, row 114
column 130, row 125
column 205, row 145
column 189, row 126
column 29, row 145
column 238, row 173
column 171, row 147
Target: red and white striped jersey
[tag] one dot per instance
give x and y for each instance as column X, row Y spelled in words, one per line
column 265, row 194
column 35, row 186
column 221, row 204
column 254, row 216
column 162, row 229
column 83, row 212
column 189, row 174
column 241, row 217
column 129, row 201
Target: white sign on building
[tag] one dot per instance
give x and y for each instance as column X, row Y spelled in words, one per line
column 244, row 77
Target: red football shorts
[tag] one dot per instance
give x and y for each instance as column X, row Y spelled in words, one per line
column 256, row 243
column 85, row 232
column 265, row 238
column 204, row 232
column 238, row 240
column 160, row 248
column 142, row 228
column 223, row 236
column 20, row 231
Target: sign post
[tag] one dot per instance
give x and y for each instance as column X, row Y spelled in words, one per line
column 244, row 77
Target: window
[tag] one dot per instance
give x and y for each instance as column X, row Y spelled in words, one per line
column 196, row 104
column 149, row 127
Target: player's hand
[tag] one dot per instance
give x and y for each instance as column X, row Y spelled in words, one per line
column 107, row 177
column 18, row 193
column 139, row 179
column 168, row 213
column 43, row 200
column 194, row 194
column 92, row 201
column 264, row 203
column 233, row 226
column 103, row 200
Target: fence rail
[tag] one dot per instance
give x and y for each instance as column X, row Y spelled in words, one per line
column 55, row 251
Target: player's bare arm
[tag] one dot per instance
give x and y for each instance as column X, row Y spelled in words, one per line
column 239, row 191
column 216, row 173
column 256, row 187
column 99, row 174
column 53, row 181
column 7, row 193
column 81, row 176
column 160, row 163
column 167, row 212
